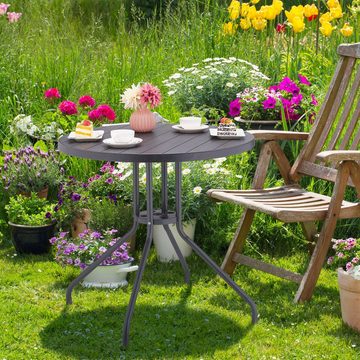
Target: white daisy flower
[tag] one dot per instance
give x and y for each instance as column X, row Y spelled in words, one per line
column 233, row 75
column 175, row 76
column 197, row 190
column 131, row 97
column 229, row 84
column 186, row 171
column 211, row 171
column 207, row 60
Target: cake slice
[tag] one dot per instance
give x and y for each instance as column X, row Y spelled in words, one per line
column 84, row 128
column 226, row 127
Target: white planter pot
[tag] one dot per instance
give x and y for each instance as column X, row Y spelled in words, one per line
column 164, row 250
column 109, row 276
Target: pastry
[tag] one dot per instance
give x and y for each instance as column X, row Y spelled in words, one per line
column 226, row 127
column 85, row 128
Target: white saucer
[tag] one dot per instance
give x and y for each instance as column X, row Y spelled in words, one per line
column 239, row 134
column 97, row 135
column 179, row 128
column 110, row 142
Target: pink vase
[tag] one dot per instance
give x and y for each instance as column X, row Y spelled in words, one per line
column 142, row 120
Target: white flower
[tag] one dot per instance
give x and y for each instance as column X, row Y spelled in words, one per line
column 199, row 87
column 207, row 166
column 233, row 75
column 207, row 60
column 196, row 64
column 197, row 190
column 219, row 72
column 170, row 169
column 126, row 175
column 189, row 69
column 175, row 76
column 195, row 72
column 131, row 97
column 229, row 84
column 186, row 171
column 239, row 176
column 224, row 171
column 211, row 171
column 204, row 77
column 143, row 179
column 171, row 92
column 181, row 69
column 232, row 58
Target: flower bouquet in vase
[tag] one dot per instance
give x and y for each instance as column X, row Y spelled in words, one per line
column 141, row 98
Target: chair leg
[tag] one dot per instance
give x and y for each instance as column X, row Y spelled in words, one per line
column 238, row 242
column 310, row 231
column 309, row 280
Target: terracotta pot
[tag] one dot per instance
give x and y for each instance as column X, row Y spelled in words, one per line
column 80, row 224
column 349, row 299
column 142, row 120
column 42, row 194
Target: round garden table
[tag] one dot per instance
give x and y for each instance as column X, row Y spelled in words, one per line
column 163, row 145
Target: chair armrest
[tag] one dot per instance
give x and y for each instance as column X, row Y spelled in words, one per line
column 338, row 155
column 278, row 135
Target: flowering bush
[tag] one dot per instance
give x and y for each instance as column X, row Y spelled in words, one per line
column 61, row 117
column 347, row 254
column 30, row 170
column 212, row 83
column 138, row 96
column 90, row 246
column 31, row 211
column 12, row 17
column 293, row 100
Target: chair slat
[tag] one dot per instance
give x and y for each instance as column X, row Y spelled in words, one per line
column 350, row 130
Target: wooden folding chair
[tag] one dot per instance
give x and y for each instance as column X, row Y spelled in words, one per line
column 331, row 153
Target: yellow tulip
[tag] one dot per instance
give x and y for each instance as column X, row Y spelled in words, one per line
column 326, row 28
column 278, row 6
column 254, row 1
column 336, row 12
column 244, row 9
column 295, row 11
column 333, row 3
column 234, row 9
column 245, row 23
column 347, row 30
column 298, row 24
column 326, row 17
column 269, row 12
column 259, row 23
column 311, row 12
column 229, row 28
column 252, row 13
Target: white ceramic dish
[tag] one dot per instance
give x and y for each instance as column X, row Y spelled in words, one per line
column 109, row 142
column 239, row 134
column 97, row 135
column 179, row 128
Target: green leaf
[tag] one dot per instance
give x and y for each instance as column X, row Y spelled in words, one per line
column 40, row 144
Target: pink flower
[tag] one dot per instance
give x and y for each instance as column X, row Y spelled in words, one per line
column 296, row 100
column 313, row 100
column 289, row 86
column 349, row 266
column 94, row 115
column 235, row 107
column 68, row 107
column 269, row 103
column 13, row 16
column 280, row 28
column 52, row 93
column 304, row 80
column 105, row 112
column 150, row 94
column 87, row 101
column 3, row 8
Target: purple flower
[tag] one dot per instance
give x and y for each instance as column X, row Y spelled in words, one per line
column 112, row 197
column 296, row 99
column 235, row 107
column 330, row 260
column 82, row 266
column 52, row 241
column 348, row 266
column 313, row 100
column 63, row 234
column 96, row 235
column 75, row 197
column 109, row 180
column 77, row 262
column 48, row 215
column 304, row 80
column 269, row 103
column 289, row 86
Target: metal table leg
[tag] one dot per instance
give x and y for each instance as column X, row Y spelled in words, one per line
column 110, row 250
column 202, row 254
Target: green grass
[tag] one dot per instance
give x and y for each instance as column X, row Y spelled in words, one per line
column 171, row 321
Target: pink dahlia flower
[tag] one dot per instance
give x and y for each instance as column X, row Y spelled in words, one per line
column 68, row 107
column 3, row 8
column 13, row 16
column 101, row 113
column 87, row 101
column 94, row 115
column 150, row 94
column 52, row 93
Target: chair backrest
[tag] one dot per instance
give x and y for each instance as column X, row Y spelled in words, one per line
column 337, row 126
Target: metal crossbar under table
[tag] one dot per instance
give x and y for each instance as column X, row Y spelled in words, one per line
column 158, row 217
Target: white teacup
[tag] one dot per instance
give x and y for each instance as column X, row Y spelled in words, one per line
column 122, row 136
column 190, row 122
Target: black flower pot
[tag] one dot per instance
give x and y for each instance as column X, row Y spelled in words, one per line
column 259, row 124
column 31, row 239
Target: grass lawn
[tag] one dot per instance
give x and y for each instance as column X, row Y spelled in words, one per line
column 171, row 321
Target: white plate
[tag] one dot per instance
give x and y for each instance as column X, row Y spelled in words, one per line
column 97, row 135
column 179, row 128
column 110, row 142
column 239, row 134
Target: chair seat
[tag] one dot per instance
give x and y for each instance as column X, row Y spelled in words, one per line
column 288, row 203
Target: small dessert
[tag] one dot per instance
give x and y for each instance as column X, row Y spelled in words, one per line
column 84, row 128
column 226, row 127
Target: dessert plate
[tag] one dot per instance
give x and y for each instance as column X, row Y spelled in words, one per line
column 110, row 142
column 97, row 135
column 201, row 128
column 239, row 134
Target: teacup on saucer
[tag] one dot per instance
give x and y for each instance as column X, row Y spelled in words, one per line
column 190, row 122
column 122, row 136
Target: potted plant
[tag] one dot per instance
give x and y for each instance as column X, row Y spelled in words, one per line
column 31, row 223
column 30, row 170
column 84, row 250
column 347, row 262
column 264, row 108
